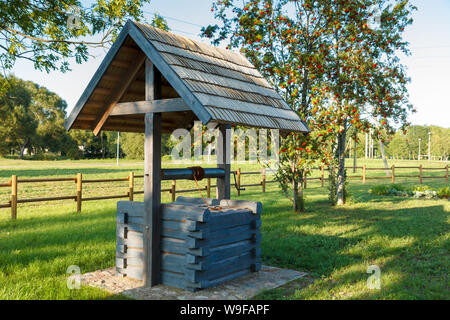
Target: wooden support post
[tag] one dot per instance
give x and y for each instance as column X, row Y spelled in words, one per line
column 173, row 190
column 420, row 174
column 364, row 174
column 223, row 188
column 446, row 174
column 131, row 183
column 152, row 199
column 208, row 188
column 238, row 181
column 13, row 197
column 79, row 191
column 152, row 181
column 393, row 173
column 321, row 176
column 263, row 180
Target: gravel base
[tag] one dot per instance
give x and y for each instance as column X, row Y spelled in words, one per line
column 238, row 289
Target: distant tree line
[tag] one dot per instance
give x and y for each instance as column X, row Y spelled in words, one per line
column 32, row 125
column 406, row 146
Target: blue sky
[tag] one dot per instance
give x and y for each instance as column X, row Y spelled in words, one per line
column 428, row 66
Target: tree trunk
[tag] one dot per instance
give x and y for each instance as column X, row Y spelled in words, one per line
column 22, row 148
column 297, row 196
column 340, row 177
column 22, row 151
column 383, row 155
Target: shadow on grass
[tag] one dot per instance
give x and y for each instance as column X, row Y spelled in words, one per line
column 322, row 241
column 25, row 242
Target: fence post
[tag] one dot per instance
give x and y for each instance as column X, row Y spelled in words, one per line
column 364, row 174
column 238, row 181
column 393, row 173
column 13, row 197
column 208, row 188
column 446, row 175
column 173, row 190
column 321, row 175
column 131, row 181
column 263, row 180
column 420, row 174
column 79, row 191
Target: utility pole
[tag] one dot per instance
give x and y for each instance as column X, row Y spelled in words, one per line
column 420, row 139
column 118, row 143
column 355, row 146
column 429, row 145
column 366, row 146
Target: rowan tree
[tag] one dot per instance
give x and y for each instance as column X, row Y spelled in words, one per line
column 287, row 47
column 329, row 65
column 365, row 81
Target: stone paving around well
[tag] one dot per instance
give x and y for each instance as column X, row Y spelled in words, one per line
column 238, row 289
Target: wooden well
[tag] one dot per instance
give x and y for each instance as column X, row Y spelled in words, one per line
column 200, row 248
column 152, row 81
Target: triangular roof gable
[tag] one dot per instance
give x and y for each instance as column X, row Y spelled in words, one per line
column 225, row 87
column 130, row 29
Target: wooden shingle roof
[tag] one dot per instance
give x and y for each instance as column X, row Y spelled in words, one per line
column 218, row 85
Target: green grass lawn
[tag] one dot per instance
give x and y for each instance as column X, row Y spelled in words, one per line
column 407, row 238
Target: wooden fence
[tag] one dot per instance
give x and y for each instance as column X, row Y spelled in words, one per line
column 79, row 182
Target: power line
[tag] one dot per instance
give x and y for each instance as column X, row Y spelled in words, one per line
column 431, row 47
column 187, row 32
column 175, row 19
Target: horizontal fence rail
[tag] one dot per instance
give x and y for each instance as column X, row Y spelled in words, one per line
column 79, row 181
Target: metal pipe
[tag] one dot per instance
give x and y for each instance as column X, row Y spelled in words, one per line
column 186, row 173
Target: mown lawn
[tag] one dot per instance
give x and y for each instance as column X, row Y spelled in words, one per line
column 407, row 238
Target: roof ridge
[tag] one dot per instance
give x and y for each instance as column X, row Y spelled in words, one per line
column 244, row 61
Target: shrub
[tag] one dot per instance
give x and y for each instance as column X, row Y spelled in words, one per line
column 428, row 194
column 422, row 188
column 418, row 191
column 43, row 157
column 74, row 154
column 444, row 193
column 389, row 189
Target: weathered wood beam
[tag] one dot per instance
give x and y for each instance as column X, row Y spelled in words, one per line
column 111, row 77
column 95, row 104
column 103, row 91
column 125, row 128
column 143, row 107
column 223, row 190
column 130, row 50
column 87, row 117
column 118, row 92
column 152, row 181
column 166, row 92
column 152, row 81
column 152, row 199
column 121, row 63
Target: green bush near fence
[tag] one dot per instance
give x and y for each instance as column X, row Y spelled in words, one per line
column 419, row 191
